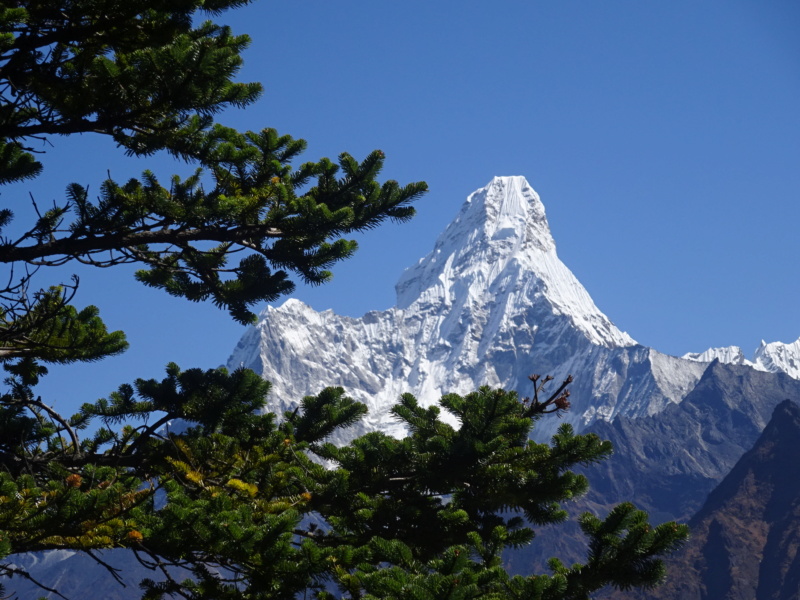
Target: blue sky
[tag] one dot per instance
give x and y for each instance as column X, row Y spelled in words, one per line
column 663, row 138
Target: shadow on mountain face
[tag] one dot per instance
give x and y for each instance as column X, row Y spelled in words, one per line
column 668, row 463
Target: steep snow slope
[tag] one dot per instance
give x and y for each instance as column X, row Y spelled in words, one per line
column 500, row 236
column 491, row 304
column 777, row 357
column 729, row 355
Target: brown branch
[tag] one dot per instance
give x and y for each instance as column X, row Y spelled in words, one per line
column 559, row 397
column 157, row 564
column 53, row 128
column 561, row 388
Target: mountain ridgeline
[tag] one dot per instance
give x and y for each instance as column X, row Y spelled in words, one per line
column 746, row 534
column 669, row 463
column 489, row 305
column 492, row 303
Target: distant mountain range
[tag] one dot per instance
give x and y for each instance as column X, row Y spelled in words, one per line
column 491, row 304
column 746, row 535
column 669, row 463
column 775, row 357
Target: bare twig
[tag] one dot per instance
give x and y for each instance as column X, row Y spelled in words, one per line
column 115, row 572
column 6, row 569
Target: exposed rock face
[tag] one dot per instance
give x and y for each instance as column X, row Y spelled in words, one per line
column 491, row 304
column 745, row 538
column 668, row 463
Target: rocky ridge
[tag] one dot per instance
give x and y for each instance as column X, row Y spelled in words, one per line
column 668, row 463
column 489, row 305
column 745, row 538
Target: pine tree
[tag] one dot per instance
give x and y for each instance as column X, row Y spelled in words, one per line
column 240, row 498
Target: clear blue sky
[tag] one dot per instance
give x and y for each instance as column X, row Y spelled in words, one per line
column 663, row 138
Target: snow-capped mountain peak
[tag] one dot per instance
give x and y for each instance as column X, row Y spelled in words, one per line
column 491, row 304
column 731, row 355
column 500, row 244
column 779, row 357
column 775, row 357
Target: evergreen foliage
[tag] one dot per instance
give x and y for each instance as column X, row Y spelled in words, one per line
column 240, row 503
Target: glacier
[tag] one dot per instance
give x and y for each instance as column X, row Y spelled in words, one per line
column 491, row 304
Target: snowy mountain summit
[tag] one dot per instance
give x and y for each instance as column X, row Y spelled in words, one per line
column 773, row 357
column 499, row 249
column 490, row 305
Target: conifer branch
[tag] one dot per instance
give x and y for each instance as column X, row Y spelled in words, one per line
column 65, row 426
column 429, row 514
column 81, row 247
